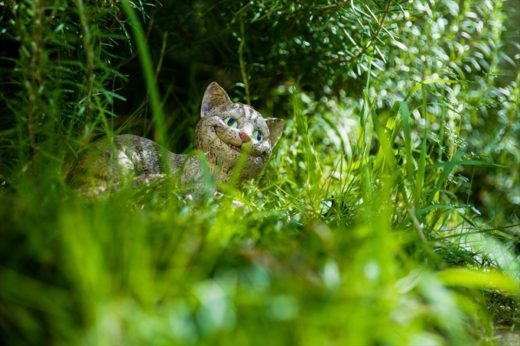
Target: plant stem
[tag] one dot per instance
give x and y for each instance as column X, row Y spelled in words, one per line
column 147, row 66
column 241, row 60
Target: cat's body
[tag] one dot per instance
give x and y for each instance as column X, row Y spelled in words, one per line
column 225, row 132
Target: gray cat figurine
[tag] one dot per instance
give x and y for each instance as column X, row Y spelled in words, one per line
column 225, row 131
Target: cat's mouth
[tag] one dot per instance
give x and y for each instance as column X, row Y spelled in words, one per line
column 231, row 146
column 246, row 146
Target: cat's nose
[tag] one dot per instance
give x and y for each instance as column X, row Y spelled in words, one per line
column 244, row 136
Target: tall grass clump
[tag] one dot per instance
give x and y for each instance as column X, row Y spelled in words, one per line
column 387, row 214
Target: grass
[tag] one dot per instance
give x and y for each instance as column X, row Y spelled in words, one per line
column 326, row 250
column 359, row 230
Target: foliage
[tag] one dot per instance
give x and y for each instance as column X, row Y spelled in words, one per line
column 388, row 213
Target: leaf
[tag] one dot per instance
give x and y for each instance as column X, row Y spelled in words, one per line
column 405, row 116
column 469, row 278
column 427, row 82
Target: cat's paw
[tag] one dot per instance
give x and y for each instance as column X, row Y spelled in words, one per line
column 148, row 178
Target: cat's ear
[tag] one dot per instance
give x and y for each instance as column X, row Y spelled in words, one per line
column 275, row 126
column 214, row 96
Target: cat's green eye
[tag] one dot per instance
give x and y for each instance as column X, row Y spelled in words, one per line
column 257, row 135
column 231, row 122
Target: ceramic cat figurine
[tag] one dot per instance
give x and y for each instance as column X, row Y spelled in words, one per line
column 225, row 131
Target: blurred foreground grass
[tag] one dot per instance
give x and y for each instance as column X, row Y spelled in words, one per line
column 357, row 252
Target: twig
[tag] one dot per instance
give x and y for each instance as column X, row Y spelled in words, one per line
column 417, row 224
column 376, row 33
column 332, row 6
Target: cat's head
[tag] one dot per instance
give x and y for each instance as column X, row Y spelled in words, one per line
column 227, row 129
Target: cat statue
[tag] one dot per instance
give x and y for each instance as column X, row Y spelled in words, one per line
column 225, row 133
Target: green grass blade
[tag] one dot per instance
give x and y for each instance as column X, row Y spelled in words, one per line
column 148, row 71
column 405, row 116
column 464, row 277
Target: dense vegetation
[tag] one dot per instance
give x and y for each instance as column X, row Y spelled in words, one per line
column 388, row 214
